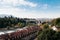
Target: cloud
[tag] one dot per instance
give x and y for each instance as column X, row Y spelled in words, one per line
column 17, row 2
column 23, row 2
column 44, row 6
column 11, row 11
column 57, row 7
column 21, row 13
column 8, row 7
column 17, row 12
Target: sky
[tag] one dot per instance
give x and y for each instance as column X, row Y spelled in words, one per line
column 31, row 8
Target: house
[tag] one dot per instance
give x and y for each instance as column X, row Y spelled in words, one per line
column 56, row 28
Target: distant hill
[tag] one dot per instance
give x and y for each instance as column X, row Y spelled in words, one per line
column 44, row 19
column 3, row 15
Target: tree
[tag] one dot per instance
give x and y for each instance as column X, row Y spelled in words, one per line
column 45, row 26
column 46, row 34
column 21, row 25
column 49, row 34
column 56, row 22
column 11, row 22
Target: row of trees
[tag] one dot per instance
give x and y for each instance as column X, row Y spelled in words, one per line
column 11, row 21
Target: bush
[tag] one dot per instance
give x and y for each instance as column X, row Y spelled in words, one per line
column 49, row 34
column 45, row 26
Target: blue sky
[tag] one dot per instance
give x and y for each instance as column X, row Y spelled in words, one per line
column 31, row 8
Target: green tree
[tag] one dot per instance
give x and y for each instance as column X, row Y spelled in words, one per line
column 56, row 22
column 20, row 24
column 45, row 26
column 46, row 34
column 49, row 34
